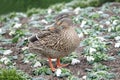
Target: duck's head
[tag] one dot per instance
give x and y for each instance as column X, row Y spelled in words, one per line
column 64, row 23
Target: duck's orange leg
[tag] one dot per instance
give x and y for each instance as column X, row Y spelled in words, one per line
column 51, row 65
column 59, row 64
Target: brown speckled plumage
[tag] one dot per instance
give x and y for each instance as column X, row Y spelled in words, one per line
column 57, row 43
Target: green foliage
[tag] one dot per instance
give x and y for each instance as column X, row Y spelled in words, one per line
column 69, row 58
column 10, row 74
column 23, row 5
column 57, row 7
column 36, row 11
column 42, row 71
column 73, row 78
column 86, row 3
column 65, row 73
column 99, row 72
column 18, row 34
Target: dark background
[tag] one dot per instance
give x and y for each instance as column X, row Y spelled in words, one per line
column 7, row 6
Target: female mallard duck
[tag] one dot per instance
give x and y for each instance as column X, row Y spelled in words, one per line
column 55, row 42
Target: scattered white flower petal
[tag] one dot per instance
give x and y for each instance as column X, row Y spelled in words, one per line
column 58, row 72
column 101, row 26
column 37, row 64
column 85, row 31
column 24, row 48
column 75, row 61
column 92, row 50
column 0, row 30
column 17, row 25
column 81, row 35
column 26, row 61
column 90, row 58
column 65, row 10
column 117, row 38
column 100, row 12
column 44, row 21
column 77, row 10
column 76, row 19
column 7, row 52
column 50, row 11
column 33, row 18
column 16, row 19
column 117, row 45
column 109, row 29
column 115, row 22
column 5, row 60
column 52, row 60
column 101, row 38
column 12, row 32
column 107, row 22
column 83, row 23
column 84, row 77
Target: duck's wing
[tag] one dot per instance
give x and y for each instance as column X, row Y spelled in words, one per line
column 43, row 33
column 46, row 43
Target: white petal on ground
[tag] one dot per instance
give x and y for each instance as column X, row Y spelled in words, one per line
column 109, row 29
column 101, row 38
column 26, row 61
column 0, row 30
column 12, row 32
column 92, row 50
column 77, row 10
column 101, row 26
column 44, row 21
column 90, row 58
column 24, row 48
column 100, row 12
column 17, row 25
column 16, row 19
column 117, row 38
column 115, row 22
column 84, row 77
column 81, row 35
column 58, row 72
column 52, row 60
column 75, row 61
column 107, row 22
column 117, row 45
column 76, row 19
column 5, row 60
column 83, row 23
column 49, row 11
column 37, row 64
column 7, row 52
column 65, row 10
